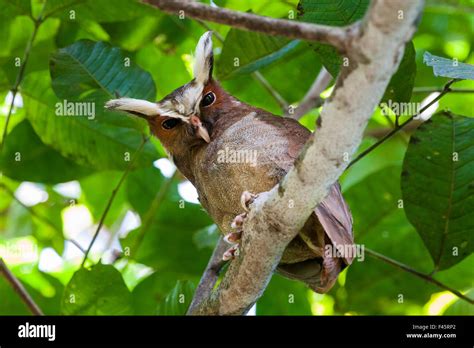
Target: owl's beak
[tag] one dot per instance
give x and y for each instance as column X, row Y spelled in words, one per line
column 201, row 130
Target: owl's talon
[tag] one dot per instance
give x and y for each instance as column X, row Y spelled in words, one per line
column 238, row 221
column 233, row 237
column 231, row 253
column 246, row 199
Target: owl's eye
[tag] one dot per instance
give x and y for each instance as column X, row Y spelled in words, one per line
column 170, row 123
column 208, row 99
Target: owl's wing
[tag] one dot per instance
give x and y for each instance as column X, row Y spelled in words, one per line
column 333, row 212
column 334, row 215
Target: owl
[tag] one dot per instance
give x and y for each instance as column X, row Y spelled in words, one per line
column 231, row 151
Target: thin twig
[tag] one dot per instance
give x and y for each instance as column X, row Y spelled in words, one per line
column 210, row 275
column 380, row 132
column 273, row 92
column 312, row 99
column 19, row 289
column 336, row 36
column 256, row 75
column 438, row 89
column 364, row 153
column 111, row 199
column 21, row 73
column 417, row 273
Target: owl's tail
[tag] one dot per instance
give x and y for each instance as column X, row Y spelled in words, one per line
column 333, row 245
column 319, row 274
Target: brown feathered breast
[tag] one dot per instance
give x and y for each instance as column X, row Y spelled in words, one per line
column 251, row 150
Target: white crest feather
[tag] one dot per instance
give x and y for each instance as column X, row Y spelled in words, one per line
column 203, row 58
column 140, row 106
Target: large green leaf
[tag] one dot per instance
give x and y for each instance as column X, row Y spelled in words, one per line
column 88, row 142
column 245, row 52
column 284, row 297
column 178, row 300
column 167, row 244
column 461, row 307
column 19, row 221
column 336, row 13
column 12, row 8
column 345, row 12
column 98, row 291
column 26, row 158
column 379, row 224
column 152, row 291
column 401, row 84
column 97, row 10
column 438, row 186
column 449, row 67
column 142, row 186
column 88, row 65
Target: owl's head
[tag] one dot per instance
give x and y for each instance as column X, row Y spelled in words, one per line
column 177, row 119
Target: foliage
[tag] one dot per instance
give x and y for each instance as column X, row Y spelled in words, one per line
column 410, row 200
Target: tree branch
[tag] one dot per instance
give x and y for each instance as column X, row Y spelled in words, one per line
column 421, row 275
column 374, row 56
column 335, row 36
column 312, row 99
column 19, row 288
column 210, row 276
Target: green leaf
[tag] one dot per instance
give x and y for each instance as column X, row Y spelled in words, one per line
column 206, row 237
column 449, row 67
column 346, row 12
column 401, row 84
column 152, row 291
column 26, row 158
column 98, row 291
column 438, row 186
column 88, row 65
column 379, row 224
column 178, row 300
column 245, row 52
column 12, row 8
column 88, row 142
column 461, row 307
column 336, row 13
column 19, row 221
column 98, row 10
column 168, row 243
column 142, row 186
column 11, row 303
column 284, row 297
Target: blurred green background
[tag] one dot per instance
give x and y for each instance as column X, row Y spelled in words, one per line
column 59, row 172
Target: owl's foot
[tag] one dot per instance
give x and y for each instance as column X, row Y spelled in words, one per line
column 231, row 253
column 246, row 199
column 234, row 237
